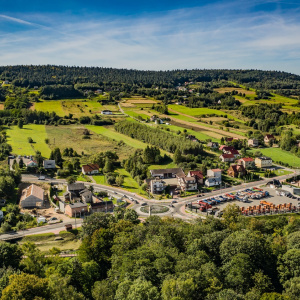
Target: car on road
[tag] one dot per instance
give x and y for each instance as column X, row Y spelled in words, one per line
column 174, row 201
column 115, row 193
column 42, row 178
column 144, row 204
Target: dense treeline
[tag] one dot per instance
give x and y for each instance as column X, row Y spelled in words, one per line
column 159, row 138
column 11, row 116
column 268, row 116
column 52, row 92
column 235, row 258
column 52, row 75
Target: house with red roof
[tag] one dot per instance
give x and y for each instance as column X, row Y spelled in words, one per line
column 246, row 162
column 198, row 176
column 90, row 169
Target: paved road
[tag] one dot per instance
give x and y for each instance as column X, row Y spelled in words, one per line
column 42, row 229
column 177, row 210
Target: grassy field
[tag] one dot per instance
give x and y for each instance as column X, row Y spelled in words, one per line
column 76, row 107
column 18, row 139
column 50, row 105
column 45, row 242
column 280, row 155
column 72, row 136
column 198, row 134
column 197, row 112
column 129, row 183
column 109, row 132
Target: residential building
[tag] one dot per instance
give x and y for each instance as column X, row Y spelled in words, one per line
column 187, row 183
column 214, row 173
column 77, row 209
column 230, row 150
column 106, row 112
column 32, row 197
column 268, row 138
column 236, row 171
column 167, row 173
column 213, row 181
column 90, row 169
column 31, row 164
column 157, row 186
column 263, row 162
column 49, row 164
column 246, row 162
column 227, row 158
column 212, row 145
column 86, row 195
column 197, row 174
column 253, row 142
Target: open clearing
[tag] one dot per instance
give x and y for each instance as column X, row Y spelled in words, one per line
column 45, row 242
column 198, row 112
column 72, row 136
column 278, row 154
column 18, row 139
column 112, row 134
column 230, row 89
column 201, row 135
column 76, row 107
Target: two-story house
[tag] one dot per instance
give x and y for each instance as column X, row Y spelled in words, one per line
column 263, row 162
column 253, row 142
column 246, row 162
column 227, row 158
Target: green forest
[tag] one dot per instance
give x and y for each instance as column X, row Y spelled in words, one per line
column 234, row 258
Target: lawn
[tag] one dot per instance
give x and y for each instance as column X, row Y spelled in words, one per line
column 129, row 183
column 100, row 179
column 278, row 154
column 18, row 139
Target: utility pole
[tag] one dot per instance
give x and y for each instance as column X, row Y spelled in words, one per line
column 75, row 218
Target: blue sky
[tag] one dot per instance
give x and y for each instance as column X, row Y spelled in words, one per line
column 152, row 35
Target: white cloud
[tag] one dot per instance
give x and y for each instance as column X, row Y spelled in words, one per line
column 205, row 37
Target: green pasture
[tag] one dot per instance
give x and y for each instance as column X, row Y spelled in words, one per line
column 18, row 139
column 112, row 134
column 198, row 134
column 278, row 154
column 198, row 112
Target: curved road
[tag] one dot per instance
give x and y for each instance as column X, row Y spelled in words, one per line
column 177, row 210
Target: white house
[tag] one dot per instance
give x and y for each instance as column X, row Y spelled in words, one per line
column 213, row 181
column 90, row 169
column 157, row 186
column 214, row 173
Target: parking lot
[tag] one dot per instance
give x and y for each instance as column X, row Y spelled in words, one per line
column 268, row 202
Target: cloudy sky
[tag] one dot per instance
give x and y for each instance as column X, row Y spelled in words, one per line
column 155, row 35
